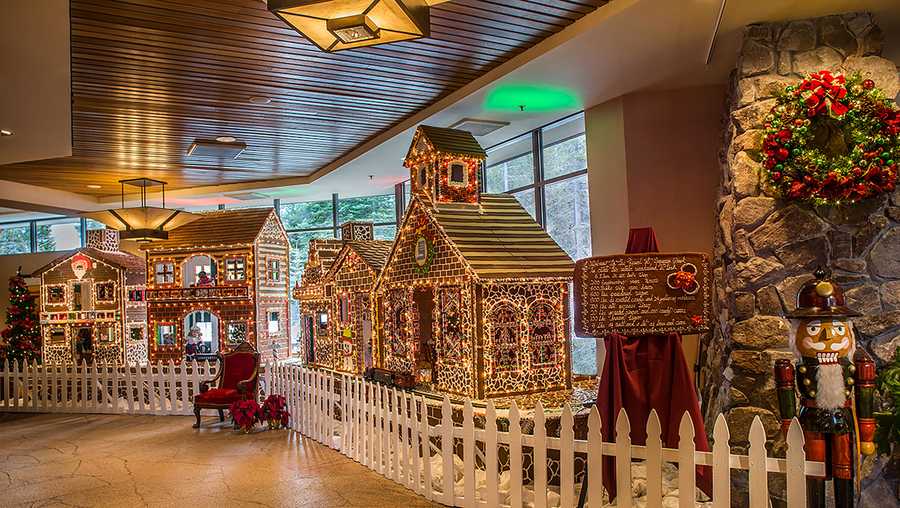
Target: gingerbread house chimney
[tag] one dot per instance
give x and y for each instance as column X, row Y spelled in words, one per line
column 354, row 231
column 106, row 240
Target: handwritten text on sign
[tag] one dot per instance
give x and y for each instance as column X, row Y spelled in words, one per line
column 639, row 294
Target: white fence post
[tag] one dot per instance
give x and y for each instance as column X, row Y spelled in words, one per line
column 759, row 487
column 540, row 457
column 567, row 458
column 687, row 473
column 468, row 454
column 654, row 461
column 623, row 461
column 595, row 459
column 515, row 456
column 490, row 455
column 796, row 465
column 447, row 452
column 721, row 469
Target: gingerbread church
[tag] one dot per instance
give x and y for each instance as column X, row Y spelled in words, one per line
column 473, row 298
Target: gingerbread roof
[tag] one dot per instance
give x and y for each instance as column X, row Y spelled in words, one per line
column 450, row 141
column 499, row 239
column 373, row 252
column 122, row 260
column 221, row 228
column 325, row 251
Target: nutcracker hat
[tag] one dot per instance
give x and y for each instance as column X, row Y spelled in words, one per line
column 821, row 297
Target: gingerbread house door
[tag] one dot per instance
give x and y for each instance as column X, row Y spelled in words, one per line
column 423, row 300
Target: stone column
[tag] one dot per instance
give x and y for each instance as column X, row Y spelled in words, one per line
column 766, row 247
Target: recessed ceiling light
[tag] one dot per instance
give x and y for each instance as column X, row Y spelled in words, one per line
column 94, row 186
column 260, row 100
column 6, row 132
column 226, row 139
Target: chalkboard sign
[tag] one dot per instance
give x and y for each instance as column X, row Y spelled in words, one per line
column 642, row 294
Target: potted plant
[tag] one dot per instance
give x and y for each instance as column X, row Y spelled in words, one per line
column 245, row 414
column 274, row 411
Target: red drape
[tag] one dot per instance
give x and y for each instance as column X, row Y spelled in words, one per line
column 645, row 373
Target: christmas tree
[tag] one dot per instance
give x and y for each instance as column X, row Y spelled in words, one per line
column 21, row 340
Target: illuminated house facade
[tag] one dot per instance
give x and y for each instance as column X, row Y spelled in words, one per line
column 336, row 307
column 314, row 304
column 473, row 297
column 218, row 281
column 92, row 304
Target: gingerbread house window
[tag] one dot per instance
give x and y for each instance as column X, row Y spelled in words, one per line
column 56, row 294
column 106, row 292
column 236, row 332
column 165, row 334
column 542, row 324
column 165, row 273
column 423, row 176
column 274, row 272
column 235, row 269
column 274, row 324
column 504, row 320
column 458, row 174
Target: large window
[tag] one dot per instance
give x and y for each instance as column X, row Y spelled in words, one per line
column 58, row 234
column 15, row 238
column 322, row 219
column 551, row 184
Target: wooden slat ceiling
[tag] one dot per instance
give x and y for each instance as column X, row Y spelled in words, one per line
column 150, row 76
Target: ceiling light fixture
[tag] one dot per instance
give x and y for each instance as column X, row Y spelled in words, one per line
column 226, row 139
column 335, row 25
column 478, row 127
column 6, row 132
column 258, row 99
column 143, row 223
column 93, row 186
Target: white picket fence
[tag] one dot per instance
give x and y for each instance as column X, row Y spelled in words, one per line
column 408, row 438
column 162, row 389
column 412, row 439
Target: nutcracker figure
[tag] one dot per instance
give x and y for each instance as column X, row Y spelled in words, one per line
column 835, row 385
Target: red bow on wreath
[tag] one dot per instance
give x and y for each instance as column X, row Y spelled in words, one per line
column 822, row 90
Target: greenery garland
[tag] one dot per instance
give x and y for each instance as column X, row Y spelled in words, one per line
column 832, row 140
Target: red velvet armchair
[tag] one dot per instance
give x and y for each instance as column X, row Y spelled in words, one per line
column 237, row 379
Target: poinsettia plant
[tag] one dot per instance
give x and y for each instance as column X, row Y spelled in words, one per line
column 245, row 413
column 274, row 411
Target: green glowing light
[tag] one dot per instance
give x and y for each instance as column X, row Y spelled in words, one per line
column 532, row 97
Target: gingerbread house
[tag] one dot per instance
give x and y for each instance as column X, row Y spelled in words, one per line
column 216, row 282
column 310, row 294
column 473, row 299
column 92, row 304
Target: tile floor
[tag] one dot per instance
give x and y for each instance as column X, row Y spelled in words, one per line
column 125, row 461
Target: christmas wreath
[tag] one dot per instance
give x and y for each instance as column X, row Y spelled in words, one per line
column 832, row 139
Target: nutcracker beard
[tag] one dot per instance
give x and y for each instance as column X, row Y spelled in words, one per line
column 830, row 386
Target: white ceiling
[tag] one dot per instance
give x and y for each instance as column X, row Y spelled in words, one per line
column 623, row 47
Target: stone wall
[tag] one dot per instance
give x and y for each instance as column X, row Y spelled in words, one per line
column 766, row 247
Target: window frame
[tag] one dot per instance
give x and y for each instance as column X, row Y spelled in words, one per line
column 537, row 152
column 157, row 273
column 236, row 265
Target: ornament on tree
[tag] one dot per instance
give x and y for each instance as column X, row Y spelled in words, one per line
column 20, row 341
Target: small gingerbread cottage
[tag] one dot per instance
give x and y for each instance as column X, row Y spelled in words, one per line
column 92, row 304
column 473, row 299
column 217, row 281
column 341, row 337
column 314, row 304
